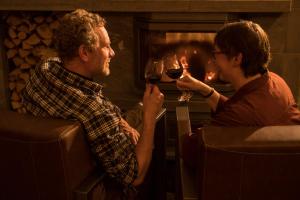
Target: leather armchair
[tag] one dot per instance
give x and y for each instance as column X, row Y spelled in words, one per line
column 44, row 158
column 49, row 159
column 242, row 163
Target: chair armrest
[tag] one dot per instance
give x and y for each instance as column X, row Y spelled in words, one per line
column 85, row 189
column 188, row 189
column 269, row 139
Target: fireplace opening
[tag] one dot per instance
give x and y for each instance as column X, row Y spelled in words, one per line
column 194, row 51
column 191, row 42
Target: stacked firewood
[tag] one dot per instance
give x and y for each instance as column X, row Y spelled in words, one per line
column 28, row 41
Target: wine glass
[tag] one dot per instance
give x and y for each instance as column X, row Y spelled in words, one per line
column 174, row 70
column 153, row 71
column 173, row 67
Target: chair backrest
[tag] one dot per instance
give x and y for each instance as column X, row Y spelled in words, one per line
column 247, row 163
column 41, row 158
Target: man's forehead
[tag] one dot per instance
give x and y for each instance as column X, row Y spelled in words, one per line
column 103, row 35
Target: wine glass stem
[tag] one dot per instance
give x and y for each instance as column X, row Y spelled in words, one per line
column 186, row 96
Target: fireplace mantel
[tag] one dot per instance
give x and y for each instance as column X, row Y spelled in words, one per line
column 152, row 5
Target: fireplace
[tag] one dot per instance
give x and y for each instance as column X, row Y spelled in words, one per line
column 156, row 34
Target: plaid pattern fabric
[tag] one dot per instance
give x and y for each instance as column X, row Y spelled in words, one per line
column 54, row 91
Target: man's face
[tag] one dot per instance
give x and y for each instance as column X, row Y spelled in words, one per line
column 100, row 57
column 223, row 63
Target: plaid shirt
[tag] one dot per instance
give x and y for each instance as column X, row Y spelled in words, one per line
column 54, row 91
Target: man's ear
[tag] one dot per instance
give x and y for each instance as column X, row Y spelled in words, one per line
column 83, row 53
column 238, row 59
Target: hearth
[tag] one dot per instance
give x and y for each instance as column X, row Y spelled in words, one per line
column 189, row 36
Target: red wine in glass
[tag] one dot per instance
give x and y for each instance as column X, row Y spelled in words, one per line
column 174, row 70
column 173, row 67
column 153, row 79
column 153, row 70
column 175, row 73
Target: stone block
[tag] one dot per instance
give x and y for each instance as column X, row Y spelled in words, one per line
column 293, row 32
column 287, row 66
column 275, row 26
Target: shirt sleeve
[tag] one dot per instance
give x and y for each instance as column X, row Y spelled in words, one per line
column 111, row 146
column 221, row 103
column 234, row 115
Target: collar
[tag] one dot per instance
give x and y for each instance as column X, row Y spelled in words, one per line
column 251, row 86
column 54, row 67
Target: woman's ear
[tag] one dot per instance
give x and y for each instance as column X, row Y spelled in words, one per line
column 83, row 53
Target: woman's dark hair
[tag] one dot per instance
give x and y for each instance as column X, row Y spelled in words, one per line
column 249, row 39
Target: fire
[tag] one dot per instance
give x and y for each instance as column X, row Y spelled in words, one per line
column 209, row 76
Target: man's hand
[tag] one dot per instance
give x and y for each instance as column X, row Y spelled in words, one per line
column 134, row 135
column 153, row 100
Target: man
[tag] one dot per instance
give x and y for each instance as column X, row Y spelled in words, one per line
column 63, row 88
column 262, row 98
column 242, row 54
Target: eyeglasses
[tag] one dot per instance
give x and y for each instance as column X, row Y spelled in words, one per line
column 217, row 52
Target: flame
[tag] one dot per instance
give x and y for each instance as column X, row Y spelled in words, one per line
column 209, row 76
column 183, row 61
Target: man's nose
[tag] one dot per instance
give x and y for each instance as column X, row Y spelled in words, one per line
column 111, row 53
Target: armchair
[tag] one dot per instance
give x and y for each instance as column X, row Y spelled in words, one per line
column 242, row 163
column 49, row 159
column 45, row 159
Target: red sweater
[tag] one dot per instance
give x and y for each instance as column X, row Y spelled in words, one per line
column 264, row 101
